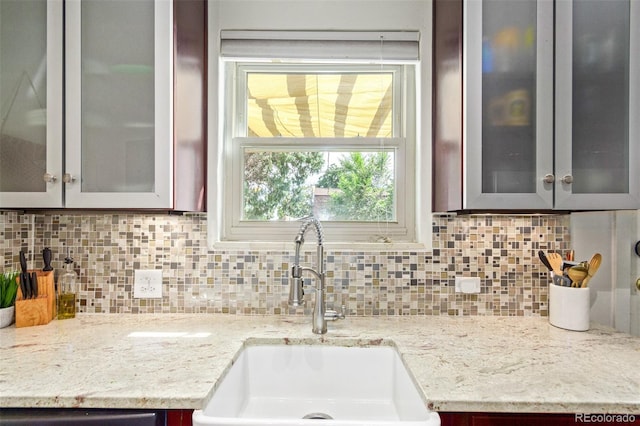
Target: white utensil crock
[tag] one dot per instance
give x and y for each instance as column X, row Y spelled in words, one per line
column 569, row 307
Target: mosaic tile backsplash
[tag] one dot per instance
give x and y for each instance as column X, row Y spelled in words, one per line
column 108, row 247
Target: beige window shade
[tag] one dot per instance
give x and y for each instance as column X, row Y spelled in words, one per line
column 395, row 46
column 319, row 105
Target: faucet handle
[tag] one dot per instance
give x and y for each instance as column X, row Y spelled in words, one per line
column 331, row 315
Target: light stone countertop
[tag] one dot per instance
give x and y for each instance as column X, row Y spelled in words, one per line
column 487, row 364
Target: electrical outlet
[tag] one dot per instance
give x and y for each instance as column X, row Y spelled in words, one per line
column 147, row 284
column 468, row 285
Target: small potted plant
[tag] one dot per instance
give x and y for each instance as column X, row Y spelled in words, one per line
column 8, row 291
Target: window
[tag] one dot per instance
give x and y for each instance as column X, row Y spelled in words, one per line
column 322, row 139
column 316, row 123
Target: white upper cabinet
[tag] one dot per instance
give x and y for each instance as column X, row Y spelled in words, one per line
column 31, row 65
column 597, row 105
column 134, row 104
column 118, row 104
column 508, row 108
column 537, row 132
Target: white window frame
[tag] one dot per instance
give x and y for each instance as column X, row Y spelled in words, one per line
column 402, row 144
column 354, row 16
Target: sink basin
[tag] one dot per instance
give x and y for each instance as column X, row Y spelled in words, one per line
column 300, row 384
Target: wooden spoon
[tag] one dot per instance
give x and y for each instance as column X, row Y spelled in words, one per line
column 594, row 264
column 577, row 275
column 555, row 260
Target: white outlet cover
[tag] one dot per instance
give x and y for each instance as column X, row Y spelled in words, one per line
column 147, row 284
column 468, row 285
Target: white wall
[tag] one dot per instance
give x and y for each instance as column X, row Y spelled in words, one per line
column 321, row 14
column 626, row 297
column 593, row 233
column 614, row 298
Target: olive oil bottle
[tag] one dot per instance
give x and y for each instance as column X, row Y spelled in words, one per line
column 67, row 285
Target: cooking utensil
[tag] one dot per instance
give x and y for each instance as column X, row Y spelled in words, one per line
column 570, row 255
column 34, row 284
column 555, row 260
column 25, row 284
column 568, row 264
column 561, row 280
column 544, row 260
column 46, row 257
column 577, row 275
column 594, row 264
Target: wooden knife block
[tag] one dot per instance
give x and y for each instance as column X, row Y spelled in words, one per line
column 42, row 309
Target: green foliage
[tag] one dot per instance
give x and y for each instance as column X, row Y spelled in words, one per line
column 8, row 289
column 365, row 187
column 275, row 184
column 331, row 177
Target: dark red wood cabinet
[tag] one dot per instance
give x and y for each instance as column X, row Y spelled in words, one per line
column 536, row 419
column 179, row 417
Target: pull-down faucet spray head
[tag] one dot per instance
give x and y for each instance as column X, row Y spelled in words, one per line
column 296, row 291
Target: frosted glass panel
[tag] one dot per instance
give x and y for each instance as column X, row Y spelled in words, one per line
column 23, row 95
column 600, row 157
column 508, row 96
column 117, row 96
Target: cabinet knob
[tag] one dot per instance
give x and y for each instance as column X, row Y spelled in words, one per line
column 49, row 178
column 68, row 178
column 549, row 178
column 568, row 179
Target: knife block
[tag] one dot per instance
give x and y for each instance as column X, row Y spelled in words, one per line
column 42, row 309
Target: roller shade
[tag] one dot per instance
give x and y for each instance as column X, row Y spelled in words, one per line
column 396, row 46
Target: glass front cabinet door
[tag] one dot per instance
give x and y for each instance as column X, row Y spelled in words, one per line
column 31, row 103
column 597, row 100
column 125, row 80
column 118, row 104
column 539, row 132
column 508, row 65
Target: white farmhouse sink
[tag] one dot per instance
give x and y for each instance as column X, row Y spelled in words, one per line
column 300, row 384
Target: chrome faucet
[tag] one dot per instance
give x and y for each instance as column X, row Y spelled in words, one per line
column 296, row 291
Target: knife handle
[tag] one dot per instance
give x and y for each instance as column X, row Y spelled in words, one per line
column 46, row 257
column 27, row 284
column 23, row 261
column 34, row 285
column 24, row 289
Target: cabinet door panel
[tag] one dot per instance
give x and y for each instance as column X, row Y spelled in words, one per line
column 509, row 87
column 596, row 101
column 119, row 92
column 30, row 102
column 117, row 97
